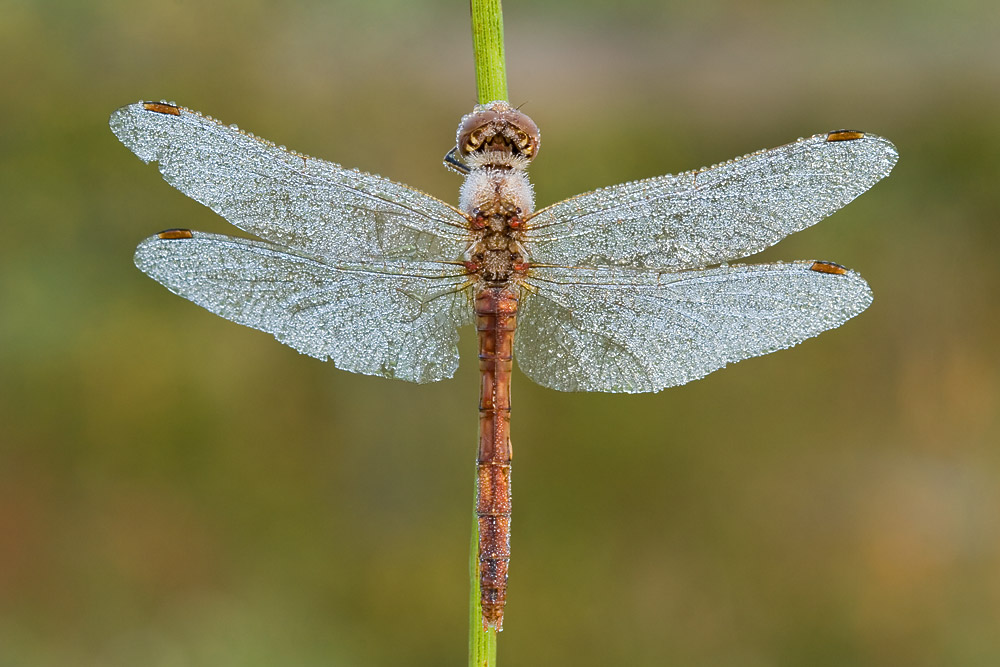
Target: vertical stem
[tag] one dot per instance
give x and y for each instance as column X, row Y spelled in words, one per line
column 487, row 47
column 491, row 85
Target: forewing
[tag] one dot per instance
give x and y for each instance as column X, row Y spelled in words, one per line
column 295, row 201
column 709, row 216
column 391, row 320
column 638, row 331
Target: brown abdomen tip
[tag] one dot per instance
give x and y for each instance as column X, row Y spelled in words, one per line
column 171, row 234
column 828, row 267
column 844, row 135
column 162, row 107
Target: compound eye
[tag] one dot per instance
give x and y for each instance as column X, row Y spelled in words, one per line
column 475, row 139
column 524, row 143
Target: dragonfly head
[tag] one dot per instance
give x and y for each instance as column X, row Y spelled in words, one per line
column 497, row 133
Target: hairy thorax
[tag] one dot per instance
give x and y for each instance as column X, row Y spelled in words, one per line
column 497, row 200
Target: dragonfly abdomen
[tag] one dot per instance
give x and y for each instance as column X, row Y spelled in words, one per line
column 496, row 319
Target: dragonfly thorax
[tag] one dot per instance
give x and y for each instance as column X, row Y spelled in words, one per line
column 497, row 201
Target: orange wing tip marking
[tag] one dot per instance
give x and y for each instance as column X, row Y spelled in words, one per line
column 170, row 234
column 162, row 107
column 844, row 135
column 828, row 267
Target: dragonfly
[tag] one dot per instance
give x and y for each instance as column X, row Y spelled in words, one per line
column 623, row 289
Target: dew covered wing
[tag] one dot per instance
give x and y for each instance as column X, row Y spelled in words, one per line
column 298, row 202
column 387, row 321
column 640, row 331
column 709, row 216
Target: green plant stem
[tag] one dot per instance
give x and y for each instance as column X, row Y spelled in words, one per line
column 487, row 47
column 491, row 85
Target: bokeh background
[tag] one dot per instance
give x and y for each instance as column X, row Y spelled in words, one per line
column 179, row 490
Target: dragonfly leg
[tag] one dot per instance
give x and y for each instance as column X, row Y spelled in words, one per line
column 452, row 161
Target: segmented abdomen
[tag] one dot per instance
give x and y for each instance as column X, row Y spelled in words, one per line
column 496, row 319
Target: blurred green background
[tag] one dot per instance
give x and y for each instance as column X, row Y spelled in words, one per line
column 179, row 490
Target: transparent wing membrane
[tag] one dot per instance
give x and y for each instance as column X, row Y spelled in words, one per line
column 295, row 201
column 391, row 320
column 373, row 274
column 631, row 331
column 708, row 216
